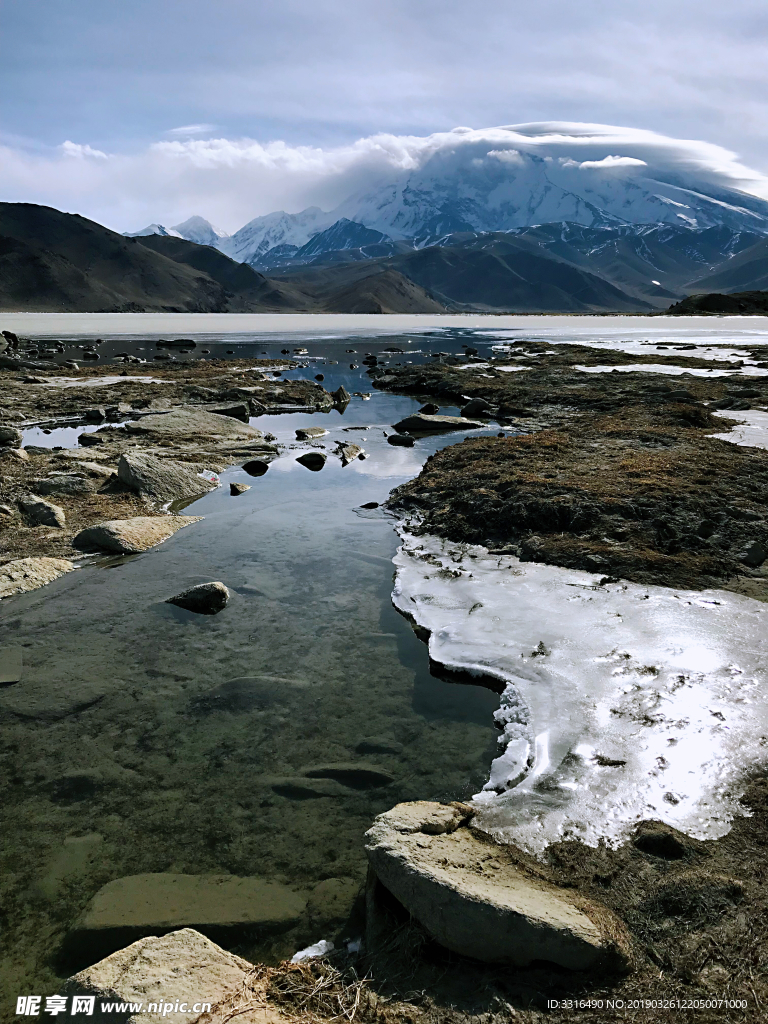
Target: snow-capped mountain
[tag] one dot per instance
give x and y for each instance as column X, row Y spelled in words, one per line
column 153, row 229
column 198, row 229
column 484, row 185
column 263, row 233
column 516, row 176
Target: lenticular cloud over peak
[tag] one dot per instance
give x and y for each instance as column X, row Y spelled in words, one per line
column 231, row 181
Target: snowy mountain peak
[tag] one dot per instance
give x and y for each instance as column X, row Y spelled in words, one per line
column 263, row 233
column 200, row 230
column 153, row 229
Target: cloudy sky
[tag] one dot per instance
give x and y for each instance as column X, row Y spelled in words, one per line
column 158, row 109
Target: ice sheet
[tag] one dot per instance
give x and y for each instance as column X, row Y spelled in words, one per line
column 692, row 371
column 752, row 430
column 621, row 702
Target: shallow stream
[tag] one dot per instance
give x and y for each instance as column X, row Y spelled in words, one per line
column 143, row 738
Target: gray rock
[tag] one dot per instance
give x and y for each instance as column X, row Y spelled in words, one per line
column 220, row 906
column 10, row 437
column 471, row 896
column 753, row 555
column 477, row 407
column 204, row 599
column 312, row 460
column 430, row 409
column 349, row 452
column 341, row 396
column 307, row 433
column 355, row 774
column 235, row 489
column 237, row 410
column 24, row 574
column 420, row 423
column 90, row 439
column 43, row 513
column 97, row 415
column 181, row 967
column 130, row 536
column 401, row 440
column 192, row 424
column 63, row 483
column 161, row 479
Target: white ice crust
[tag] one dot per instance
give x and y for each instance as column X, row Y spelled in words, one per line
column 751, row 431
column 621, row 702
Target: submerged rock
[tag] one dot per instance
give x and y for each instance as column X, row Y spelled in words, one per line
column 313, row 460
column 24, row 574
column 421, row 423
column 430, row 409
column 355, row 774
column 161, row 479
column 130, row 536
column 401, row 440
column 221, row 906
column 349, row 452
column 235, row 489
column 204, row 599
column 43, row 513
column 471, row 896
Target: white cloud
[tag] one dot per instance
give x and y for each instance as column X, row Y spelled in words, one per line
column 229, row 181
column 79, row 152
column 613, row 161
column 186, row 130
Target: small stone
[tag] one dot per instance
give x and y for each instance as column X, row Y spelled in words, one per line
column 97, row 415
column 43, row 513
column 660, row 840
column 753, row 555
column 6, row 510
column 256, row 467
column 430, row 409
column 89, row 439
column 204, row 599
column 11, row 665
column 379, row 745
column 477, row 407
column 370, row 504
column 341, row 396
column 355, row 774
column 308, row 433
column 10, row 437
column 401, row 440
column 235, row 489
column 348, row 453
column 313, row 460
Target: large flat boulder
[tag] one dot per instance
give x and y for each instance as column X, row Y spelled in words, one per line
column 223, row 907
column 190, row 424
column 23, row 574
column 183, row 966
column 161, row 479
column 130, row 536
column 422, row 423
column 473, row 898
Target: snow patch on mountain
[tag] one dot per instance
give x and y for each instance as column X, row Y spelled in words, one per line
column 153, row 229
